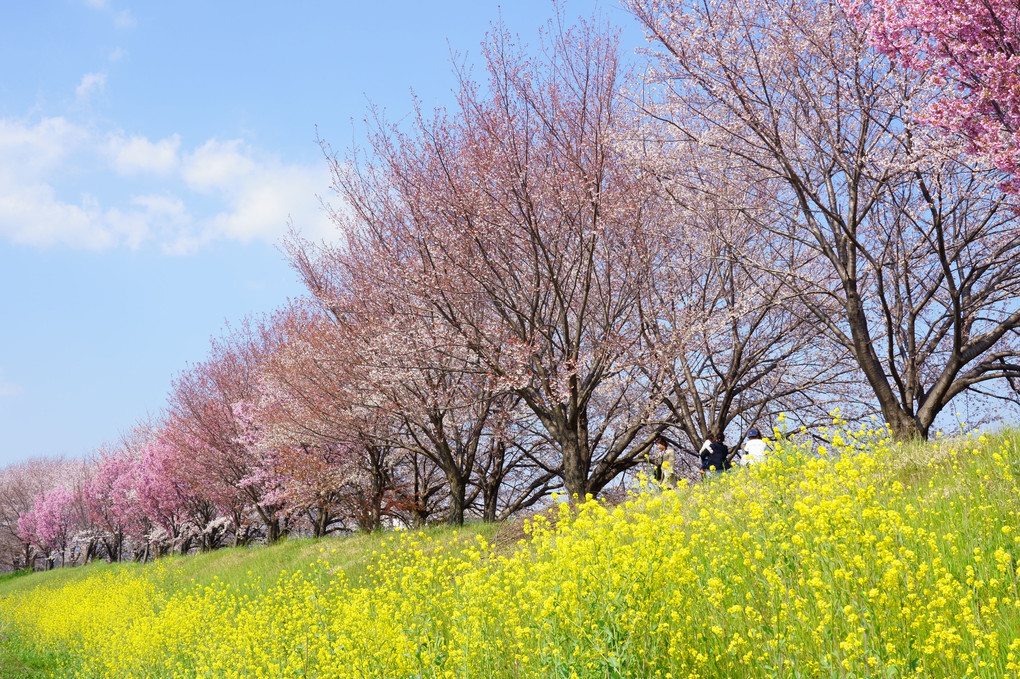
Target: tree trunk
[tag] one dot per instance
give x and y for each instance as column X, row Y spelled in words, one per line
column 320, row 522
column 371, row 519
column 419, row 517
column 490, row 500
column 904, row 426
column 492, row 481
column 458, row 490
column 575, row 471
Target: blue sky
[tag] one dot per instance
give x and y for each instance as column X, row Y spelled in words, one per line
column 151, row 155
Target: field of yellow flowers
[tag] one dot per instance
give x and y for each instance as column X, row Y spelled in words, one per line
column 855, row 558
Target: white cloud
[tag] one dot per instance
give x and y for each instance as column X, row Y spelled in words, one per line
column 30, row 210
column 166, row 205
column 98, row 4
column 217, row 166
column 167, row 218
column 149, row 217
column 261, row 194
column 117, row 54
column 90, row 83
column 8, row 388
column 173, row 198
column 34, row 216
column 139, row 155
column 263, row 204
column 28, row 150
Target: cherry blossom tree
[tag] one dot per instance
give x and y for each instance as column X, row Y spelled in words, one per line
column 317, row 407
column 50, row 523
column 214, row 441
column 873, row 216
column 412, row 371
column 736, row 348
column 517, row 224
column 516, row 467
column 20, row 484
column 312, row 484
column 59, row 522
column 169, row 504
column 89, row 537
column 112, row 507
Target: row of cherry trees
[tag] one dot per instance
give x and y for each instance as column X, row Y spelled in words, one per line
column 529, row 288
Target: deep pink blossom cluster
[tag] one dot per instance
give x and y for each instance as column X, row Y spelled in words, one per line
column 972, row 50
column 49, row 523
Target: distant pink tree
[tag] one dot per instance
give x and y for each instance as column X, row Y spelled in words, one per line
column 214, row 443
column 973, row 46
column 20, row 484
column 163, row 501
column 110, row 500
column 314, row 483
column 49, row 524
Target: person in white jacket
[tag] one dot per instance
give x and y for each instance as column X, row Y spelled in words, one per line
column 754, row 449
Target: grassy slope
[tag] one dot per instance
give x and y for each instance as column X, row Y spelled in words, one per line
column 230, row 566
column 938, row 481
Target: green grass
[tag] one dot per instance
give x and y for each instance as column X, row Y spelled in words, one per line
column 4, row 577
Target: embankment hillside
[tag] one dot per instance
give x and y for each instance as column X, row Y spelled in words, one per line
column 857, row 558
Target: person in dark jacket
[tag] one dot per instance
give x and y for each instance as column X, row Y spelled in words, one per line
column 715, row 456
